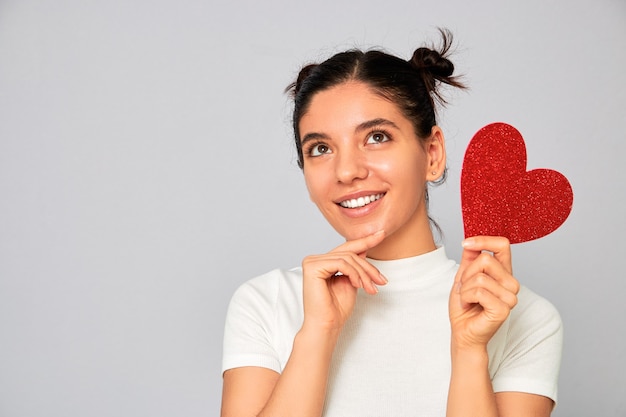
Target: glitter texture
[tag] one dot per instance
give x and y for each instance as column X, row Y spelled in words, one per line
column 500, row 198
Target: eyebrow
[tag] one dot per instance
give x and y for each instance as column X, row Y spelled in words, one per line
column 370, row 124
column 367, row 125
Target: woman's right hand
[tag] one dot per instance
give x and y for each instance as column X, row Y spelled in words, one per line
column 331, row 281
column 329, row 299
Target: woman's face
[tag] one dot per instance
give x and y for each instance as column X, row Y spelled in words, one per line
column 364, row 166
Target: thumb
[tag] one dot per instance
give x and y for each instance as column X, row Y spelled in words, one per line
column 362, row 245
column 467, row 257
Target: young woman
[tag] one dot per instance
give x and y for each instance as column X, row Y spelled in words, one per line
column 385, row 324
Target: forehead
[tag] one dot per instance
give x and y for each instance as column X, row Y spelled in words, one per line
column 347, row 105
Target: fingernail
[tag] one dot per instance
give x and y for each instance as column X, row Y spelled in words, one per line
column 380, row 232
column 467, row 242
column 458, row 287
column 384, row 278
column 375, row 287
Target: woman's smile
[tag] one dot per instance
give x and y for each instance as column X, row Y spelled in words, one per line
column 358, row 202
column 360, row 205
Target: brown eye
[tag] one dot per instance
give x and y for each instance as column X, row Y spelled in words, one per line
column 319, row 149
column 377, row 137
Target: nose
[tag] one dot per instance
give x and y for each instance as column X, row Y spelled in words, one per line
column 350, row 166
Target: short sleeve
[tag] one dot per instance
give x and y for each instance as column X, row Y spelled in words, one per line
column 532, row 355
column 249, row 327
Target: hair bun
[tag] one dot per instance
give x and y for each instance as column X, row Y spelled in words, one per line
column 425, row 59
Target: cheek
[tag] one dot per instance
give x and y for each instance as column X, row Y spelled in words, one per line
column 384, row 166
column 402, row 172
column 316, row 185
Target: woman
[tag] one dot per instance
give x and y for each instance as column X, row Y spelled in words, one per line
column 385, row 324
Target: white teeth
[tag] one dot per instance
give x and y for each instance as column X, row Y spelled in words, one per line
column 360, row 202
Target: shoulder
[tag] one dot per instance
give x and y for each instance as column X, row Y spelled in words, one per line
column 267, row 294
column 530, row 357
column 267, row 287
column 533, row 311
column 535, row 331
column 262, row 318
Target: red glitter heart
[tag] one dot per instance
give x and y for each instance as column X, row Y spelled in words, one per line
column 500, row 198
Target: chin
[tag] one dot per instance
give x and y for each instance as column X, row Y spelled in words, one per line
column 360, row 231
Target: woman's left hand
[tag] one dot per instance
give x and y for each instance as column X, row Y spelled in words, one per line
column 484, row 291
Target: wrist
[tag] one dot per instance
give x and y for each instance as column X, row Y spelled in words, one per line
column 321, row 326
column 476, row 355
column 319, row 336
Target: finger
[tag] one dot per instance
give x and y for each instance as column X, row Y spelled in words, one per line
column 368, row 275
column 358, row 271
column 371, row 272
column 498, row 245
column 468, row 256
column 483, row 282
column 362, row 245
column 325, row 267
column 486, row 264
column 494, row 309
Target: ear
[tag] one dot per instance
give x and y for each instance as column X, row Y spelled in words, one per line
column 436, row 154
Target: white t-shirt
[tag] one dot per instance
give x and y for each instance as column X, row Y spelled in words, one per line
column 393, row 355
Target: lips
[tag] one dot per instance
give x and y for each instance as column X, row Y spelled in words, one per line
column 359, row 202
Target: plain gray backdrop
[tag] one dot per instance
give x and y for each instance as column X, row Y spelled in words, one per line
column 147, row 170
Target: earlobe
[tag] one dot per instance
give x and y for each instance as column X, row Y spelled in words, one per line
column 436, row 153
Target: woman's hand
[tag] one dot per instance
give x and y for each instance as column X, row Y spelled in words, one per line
column 483, row 294
column 484, row 291
column 331, row 281
column 329, row 298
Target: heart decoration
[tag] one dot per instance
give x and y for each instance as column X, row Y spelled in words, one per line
column 500, row 198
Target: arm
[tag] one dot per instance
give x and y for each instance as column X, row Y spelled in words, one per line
column 252, row 391
column 328, row 302
column 471, row 392
column 245, row 390
column 482, row 297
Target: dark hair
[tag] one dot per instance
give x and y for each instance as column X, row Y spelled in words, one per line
column 412, row 85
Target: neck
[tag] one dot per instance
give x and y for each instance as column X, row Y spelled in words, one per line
column 406, row 242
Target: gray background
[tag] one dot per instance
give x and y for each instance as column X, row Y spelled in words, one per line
column 147, row 170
